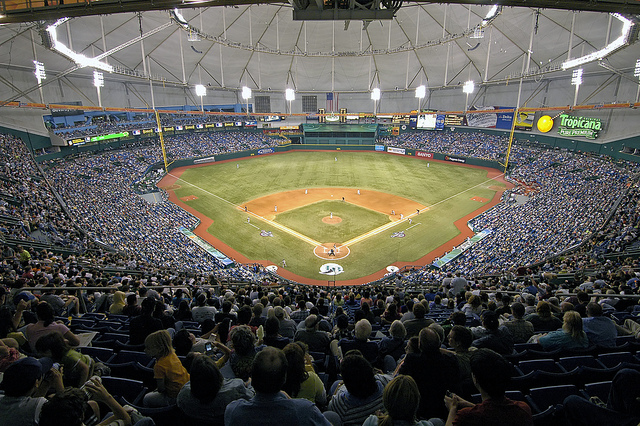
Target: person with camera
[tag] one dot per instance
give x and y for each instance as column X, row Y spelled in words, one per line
column 26, row 383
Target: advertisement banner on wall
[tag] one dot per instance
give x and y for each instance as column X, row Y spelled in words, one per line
column 524, row 121
column 504, row 120
column 454, row 120
column 395, row 150
column 424, row 154
column 265, row 151
column 487, row 119
column 379, row 147
column 440, row 122
column 455, row 159
column 573, row 126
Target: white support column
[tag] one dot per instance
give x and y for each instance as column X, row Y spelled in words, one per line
column 573, row 23
column 184, row 76
column 221, row 67
column 444, row 33
column 486, row 65
column 35, row 58
column 104, row 40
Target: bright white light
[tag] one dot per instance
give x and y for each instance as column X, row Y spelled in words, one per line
column 636, row 71
column 469, row 87
column 375, row 94
column 421, row 91
column 576, row 77
column 201, row 90
column 246, row 93
column 179, row 17
column 98, row 79
column 492, row 12
column 78, row 58
column 39, row 72
column 616, row 44
column 290, row 95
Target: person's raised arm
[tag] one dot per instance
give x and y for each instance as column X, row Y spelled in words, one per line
column 100, row 394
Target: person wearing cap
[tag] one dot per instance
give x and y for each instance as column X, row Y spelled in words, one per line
column 25, row 383
column 318, row 341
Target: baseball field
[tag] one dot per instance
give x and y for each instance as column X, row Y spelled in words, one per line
column 363, row 211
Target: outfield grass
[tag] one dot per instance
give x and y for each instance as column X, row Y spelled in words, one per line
column 356, row 221
column 446, row 188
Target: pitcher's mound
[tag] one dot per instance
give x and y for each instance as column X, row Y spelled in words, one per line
column 332, row 220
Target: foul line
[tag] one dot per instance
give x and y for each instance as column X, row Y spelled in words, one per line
column 392, row 224
column 351, row 241
column 274, row 224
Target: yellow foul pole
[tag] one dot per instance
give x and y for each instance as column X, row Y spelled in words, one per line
column 513, row 128
column 164, row 153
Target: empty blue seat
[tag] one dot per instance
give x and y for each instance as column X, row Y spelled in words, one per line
column 547, row 365
column 572, row 362
column 541, row 399
column 615, row 358
column 599, row 389
column 97, row 353
column 125, row 389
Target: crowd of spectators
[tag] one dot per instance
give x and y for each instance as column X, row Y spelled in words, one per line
column 32, row 212
column 436, row 345
column 110, row 124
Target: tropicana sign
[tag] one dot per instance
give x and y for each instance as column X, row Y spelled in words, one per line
column 579, row 126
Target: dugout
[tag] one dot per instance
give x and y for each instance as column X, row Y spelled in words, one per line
column 339, row 134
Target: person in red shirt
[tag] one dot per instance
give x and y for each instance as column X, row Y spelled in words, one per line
column 491, row 374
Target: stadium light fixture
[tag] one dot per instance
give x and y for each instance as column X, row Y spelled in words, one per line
column 468, row 88
column 620, row 42
column 202, row 92
column 179, row 18
column 98, row 79
column 246, row 95
column 80, row 59
column 576, row 77
column 375, row 96
column 421, row 92
column 576, row 80
column 290, row 95
column 39, row 72
column 98, row 82
column 636, row 73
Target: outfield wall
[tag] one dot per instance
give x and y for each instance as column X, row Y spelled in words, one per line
column 337, row 148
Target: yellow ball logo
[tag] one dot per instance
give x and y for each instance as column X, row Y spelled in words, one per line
column 545, row 123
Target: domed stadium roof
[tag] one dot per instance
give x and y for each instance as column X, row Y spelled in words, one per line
column 264, row 48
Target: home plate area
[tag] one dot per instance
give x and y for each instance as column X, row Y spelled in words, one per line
column 331, row 251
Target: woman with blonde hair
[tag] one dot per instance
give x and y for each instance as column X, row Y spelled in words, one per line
column 168, row 371
column 401, row 398
column 118, row 303
column 570, row 336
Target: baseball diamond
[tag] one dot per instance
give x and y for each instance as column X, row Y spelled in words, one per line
column 383, row 194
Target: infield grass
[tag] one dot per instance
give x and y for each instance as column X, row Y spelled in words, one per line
column 445, row 188
column 356, row 221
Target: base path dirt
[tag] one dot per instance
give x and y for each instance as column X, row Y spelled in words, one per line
column 381, row 202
